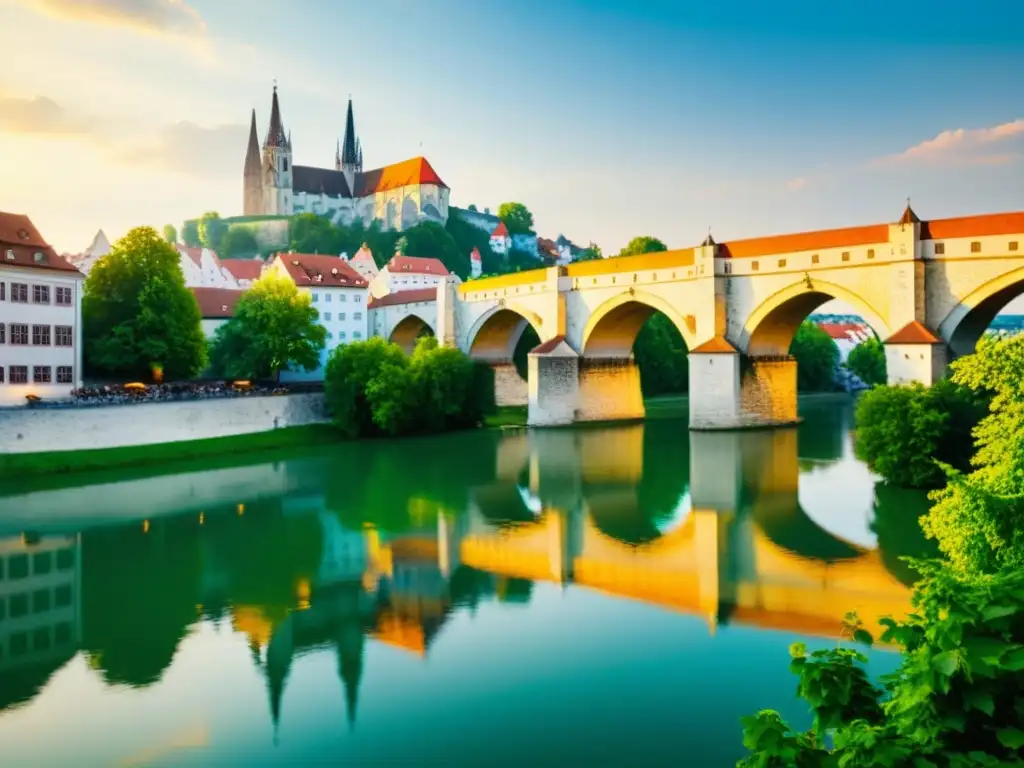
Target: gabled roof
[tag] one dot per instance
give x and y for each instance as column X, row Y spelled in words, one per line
column 364, row 254
column 407, row 173
column 908, row 217
column 215, row 303
column 556, row 345
column 21, row 245
column 244, row 269
column 196, row 254
column 913, row 333
column 714, row 346
column 308, row 269
column 416, row 296
column 413, row 265
column 805, row 241
column 987, row 225
column 500, row 231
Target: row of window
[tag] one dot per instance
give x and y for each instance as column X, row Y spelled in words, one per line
column 41, row 374
column 62, row 335
column 341, row 316
column 341, row 335
column 40, row 294
column 22, row 565
column 36, row 601
column 42, row 640
column 940, row 248
column 342, row 297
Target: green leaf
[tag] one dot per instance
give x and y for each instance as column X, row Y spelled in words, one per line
column 1013, row 738
column 863, row 636
column 980, row 700
column 946, row 663
column 798, row 650
column 1014, row 660
column 991, row 612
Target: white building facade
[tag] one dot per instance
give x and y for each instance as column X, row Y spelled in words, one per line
column 338, row 293
column 408, row 273
column 40, row 316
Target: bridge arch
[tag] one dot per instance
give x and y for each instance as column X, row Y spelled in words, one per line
column 493, row 337
column 612, row 328
column 409, row 330
column 769, row 329
column 967, row 321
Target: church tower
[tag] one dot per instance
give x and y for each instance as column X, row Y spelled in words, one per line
column 252, row 177
column 277, row 164
column 350, row 162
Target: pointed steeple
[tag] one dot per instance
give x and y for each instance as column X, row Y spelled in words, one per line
column 350, row 667
column 252, row 152
column 908, row 217
column 275, row 132
column 349, row 155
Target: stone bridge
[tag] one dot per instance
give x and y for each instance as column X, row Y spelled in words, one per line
column 927, row 288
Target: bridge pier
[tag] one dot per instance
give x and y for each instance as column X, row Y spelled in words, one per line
column 915, row 355
column 509, row 387
column 609, row 390
column 732, row 391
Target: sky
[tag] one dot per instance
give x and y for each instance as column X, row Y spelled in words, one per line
column 607, row 119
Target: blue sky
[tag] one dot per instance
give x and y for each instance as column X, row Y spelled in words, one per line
column 607, row 119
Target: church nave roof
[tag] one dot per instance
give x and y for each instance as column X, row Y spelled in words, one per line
column 319, row 181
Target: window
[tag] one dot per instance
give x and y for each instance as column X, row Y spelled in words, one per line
column 1013, row 247
column 1, row 382
column 18, row 374
column 64, row 297
column 62, row 633
column 754, row 266
column 41, row 335
column 40, row 294
column 330, row 336
column 19, row 333
column 975, row 247
column 342, row 297
column 846, row 255
column 327, row 298
column 42, row 563
column 782, row 262
column 728, row 269
column 357, row 316
column 357, row 335
column 41, row 374
column 341, row 334
column 62, row 596
column 19, row 605
column 19, row 643
column 41, row 638
column 3, row 333
column 62, row 335
column 940, row 248
column 814, row 259
column 327, row 316
column 316, row 297
column 19, row 292
column 40, row 601
column 871, row 253
column 341, row 315
column 357, row 299
column 65, row 559
column 284, row 166
column 3, row 291
column 64, row 374
column 17, row 567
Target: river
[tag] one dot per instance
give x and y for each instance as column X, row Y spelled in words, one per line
column 596, row 595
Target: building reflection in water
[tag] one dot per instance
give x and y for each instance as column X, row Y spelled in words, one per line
column 708, row 524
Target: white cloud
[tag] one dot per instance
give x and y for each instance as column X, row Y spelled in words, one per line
column 38, row 115
column 997, row 145
column 160, row 17
column 189, row 149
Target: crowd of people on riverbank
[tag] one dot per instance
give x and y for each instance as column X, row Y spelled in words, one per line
column 131, row 393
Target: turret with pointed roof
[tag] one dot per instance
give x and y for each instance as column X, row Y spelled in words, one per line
column 276, row 173
column 252, row 195
column 276, row 136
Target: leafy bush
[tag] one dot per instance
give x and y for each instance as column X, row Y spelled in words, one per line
column 816, row 358
column 373, row 387
column 904, row 432
column 661, row 356
column 955, row 700
column 867, row 361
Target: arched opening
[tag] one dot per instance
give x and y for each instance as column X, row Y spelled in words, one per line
column 408, row 331
column 633, row 347
column 503, row 338
column 410, row 213
column 992, row 308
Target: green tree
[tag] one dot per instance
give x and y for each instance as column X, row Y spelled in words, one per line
column 471, row 207
column 170, row 234
column 867, row 361
column 521, row 261
column 190, row 233
column 273, row 327
column 238, row 242
column 351, row 369
column 591, row 253
column 309, row 233
column 431, row 240
column 517, row 217
column 211, row 230
column 467, row 237
column 902, row 432
column 816, row 358
column 137, row 311
column 643, row 244
column 661, row 356
column 977, row 517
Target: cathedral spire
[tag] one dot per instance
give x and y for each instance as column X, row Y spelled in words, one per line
column 349, row 156
column 275, row 133
column 337, row 156
column 252, row 152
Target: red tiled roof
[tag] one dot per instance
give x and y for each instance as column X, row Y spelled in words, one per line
column 404, row 297
column 307, row 269
column 416, row 265
column 20, row 238
column 974, row 226
column 500, row 231
column 714, row 346
column 805, row 241
column 404, row 174
column 363, row 254
column 912, row 333
column 244, row 269
column 547, row 346
column 216, row 302
column 196, row 254
column 841, row 331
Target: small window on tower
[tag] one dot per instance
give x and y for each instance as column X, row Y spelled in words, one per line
column 284, row 164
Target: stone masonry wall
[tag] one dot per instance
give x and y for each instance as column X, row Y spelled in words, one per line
column 32, row 430
column 768, row 392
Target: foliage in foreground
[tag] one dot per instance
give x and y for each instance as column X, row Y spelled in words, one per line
column 816, row 358
column 978, row 518
column 867, row 361
column 957, row 699
column 137, row 312
column 904, row 432
column 372, row 387
column 661, row 355
column 274, row 327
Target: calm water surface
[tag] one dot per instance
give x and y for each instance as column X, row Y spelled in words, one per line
column 602, row 596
